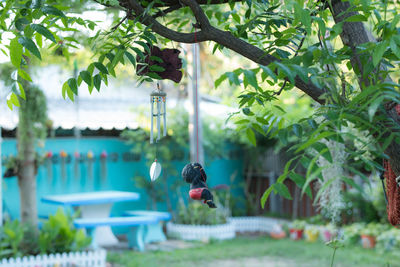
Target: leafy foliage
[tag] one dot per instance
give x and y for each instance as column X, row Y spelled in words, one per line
column 57, row 235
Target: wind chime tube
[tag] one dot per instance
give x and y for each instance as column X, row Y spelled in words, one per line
column 165, row 115
column 151, row 120
column 158, row 118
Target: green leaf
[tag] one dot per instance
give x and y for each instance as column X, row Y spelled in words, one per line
column 250, row 78
column 101, row 67
column 138, row 52
column 297, row 130
column 233, row 78
column 131, row 58
column 282, row 190
column 15, row 52
column 258, row 128
column 311, row 141
column 299, row 180
column 86, row 77
column 73, row 85
column 356, row 18
column 13, row 99
column 24, row 75
column 395, row 48
column 70, row 94
column 21, row 23
column 51, row 10
column 157, row 59
column 64, row 89
column 251, row 136
column 323, row 150
column 286, row 71
column 97, row 82
column 43, row 31
column 220, row 80
column 378, row 52
column 154, row 75
column 156, row 68
column 265, row 196
column 30, row 45
column 374, row 106
column 269, row 72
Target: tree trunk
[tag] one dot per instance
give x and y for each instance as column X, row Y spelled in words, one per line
column 26, row 170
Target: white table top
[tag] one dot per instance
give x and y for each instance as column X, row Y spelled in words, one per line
column 91, row 198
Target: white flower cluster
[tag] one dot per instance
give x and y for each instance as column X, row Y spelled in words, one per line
column 331, row 200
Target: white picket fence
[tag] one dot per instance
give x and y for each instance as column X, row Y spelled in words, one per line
column 95, row 258
column 201, row 232
column 254, row 224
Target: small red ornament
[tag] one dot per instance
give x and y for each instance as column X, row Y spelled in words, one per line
column 103, row 154
column 49, row 154
column 77, row 155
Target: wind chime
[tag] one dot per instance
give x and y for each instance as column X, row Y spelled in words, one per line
column 158, row 100
column 171, row 65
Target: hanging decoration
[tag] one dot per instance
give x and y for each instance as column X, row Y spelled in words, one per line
column 392, row 190
column 103, row 165
column 158, row 100
column 90, row 159
column 77, row 169
column 155, row 170
column 49, row 165
column 63, row 156
column 194, row 174
column 160, row 64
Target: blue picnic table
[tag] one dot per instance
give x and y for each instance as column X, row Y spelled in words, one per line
column 94, row 205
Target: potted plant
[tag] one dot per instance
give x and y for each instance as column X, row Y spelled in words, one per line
column 370, row 233
column 296, row 229
column 278, row 231
column 311, row 233
column 197, row 221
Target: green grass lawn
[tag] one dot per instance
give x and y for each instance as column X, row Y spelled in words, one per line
column 296, row 253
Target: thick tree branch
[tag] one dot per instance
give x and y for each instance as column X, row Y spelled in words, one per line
column 353, row 35
column 198, row 13
column 162, row 30
column 224, row 38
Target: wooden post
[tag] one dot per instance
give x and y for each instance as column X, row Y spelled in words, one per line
column 195, row 126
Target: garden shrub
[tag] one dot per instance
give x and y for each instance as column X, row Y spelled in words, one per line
column 57, row 235
column 196, row 213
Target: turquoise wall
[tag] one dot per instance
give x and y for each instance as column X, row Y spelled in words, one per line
column 119, row 173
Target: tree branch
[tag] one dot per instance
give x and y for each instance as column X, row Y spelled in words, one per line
column 170, row 3
column 224, row 38
column 198, row 14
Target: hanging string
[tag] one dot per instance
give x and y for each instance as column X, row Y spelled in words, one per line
column 197, row 108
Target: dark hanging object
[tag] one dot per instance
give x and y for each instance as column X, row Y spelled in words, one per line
column 171, row 64
column 392, row 190
column 194, row 174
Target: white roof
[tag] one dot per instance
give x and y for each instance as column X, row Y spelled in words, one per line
column 112, row 107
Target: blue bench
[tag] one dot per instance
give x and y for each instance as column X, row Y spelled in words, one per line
column 154, row 232
column 137, row 229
